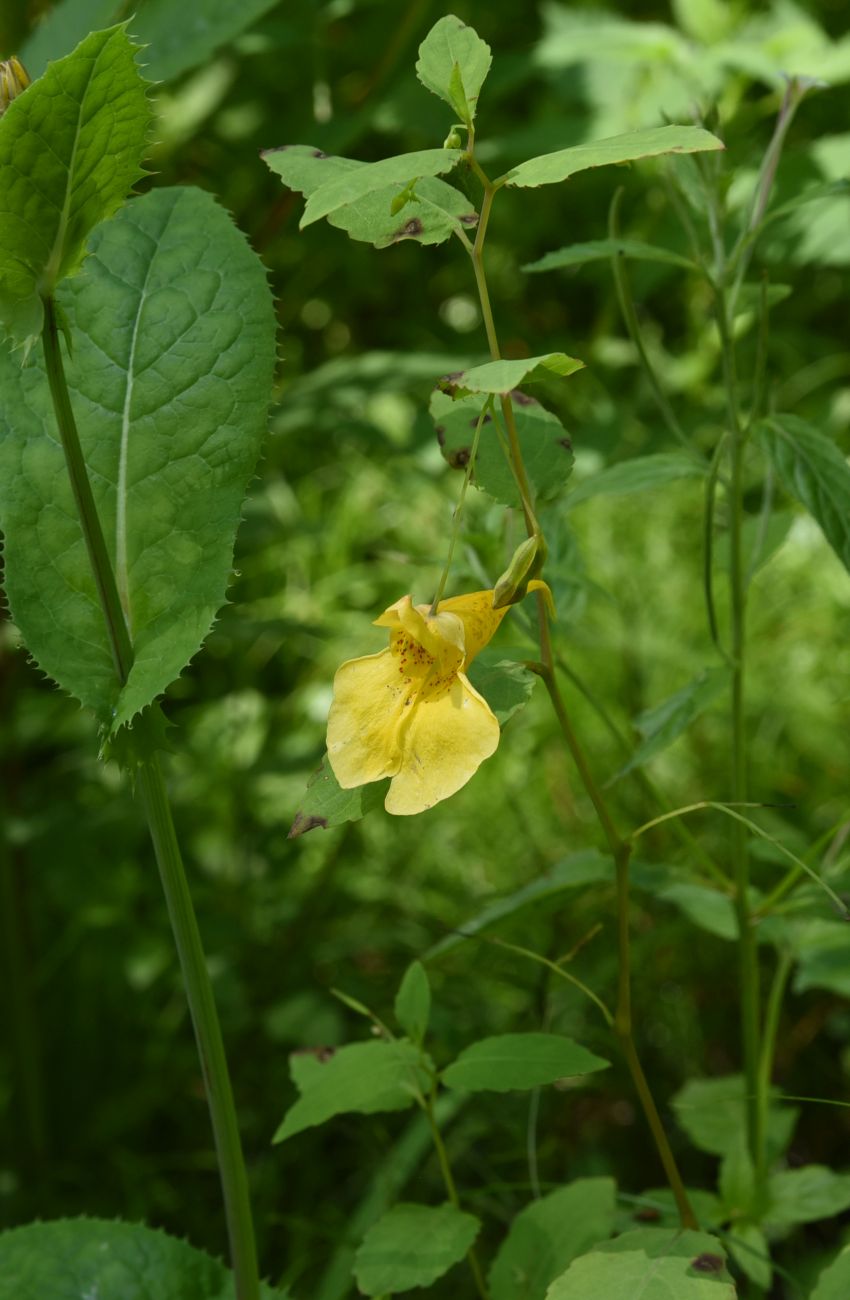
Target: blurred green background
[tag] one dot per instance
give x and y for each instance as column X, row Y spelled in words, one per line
column 350, row 509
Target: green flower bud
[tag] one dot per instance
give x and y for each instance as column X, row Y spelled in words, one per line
column 14, row 79
column 452, row 140
column 526, row 562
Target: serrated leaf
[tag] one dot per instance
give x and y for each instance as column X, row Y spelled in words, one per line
column 78, row 1259
column 362, row 1078
column 411, row 1246
column 413, row 1002
column 650, row 1263
column 176, row 37
column 549, row 1234
column 70, row 149
column 806, row 1195
column 661, row 725
column 599, row 250
column 546, row 448
column 353, row 185
column 173, row 360
column 326, row 804
column 812, row 469
column 713, row 1114
column 453, row 64
column 435, row 213
column 505, row 684
column 638, row 475
column 502, row 377
column 834, row 1281
column 519, row 1061
column 551, row 168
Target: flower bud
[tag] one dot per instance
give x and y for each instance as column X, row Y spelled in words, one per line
column 14, row 79
column 452, row 140
column 526, row 562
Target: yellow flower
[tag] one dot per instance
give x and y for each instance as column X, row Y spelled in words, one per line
column 410, row 712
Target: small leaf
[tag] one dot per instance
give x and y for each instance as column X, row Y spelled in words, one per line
column 453, row 63
column 638, row 475
column 551, row 168
column 812, row 469
column 519, row 1061
column 438, row 210
column 362, row 1078
column 706, row 907
column 664, row 723
column 549, row 1234
column 352, row 185
column 413, row 1002
column 502, row 377
column 546, row 447
column 597, row 250
column 749, row 1248
column 411, row 1246
column 650, row 1263
column 70, row 149
column 70, row 1259
column 326, row 804
column 505, row 684
column 713, row 1114
column 174, row 332
column 806, row 1195
column 834, row 1281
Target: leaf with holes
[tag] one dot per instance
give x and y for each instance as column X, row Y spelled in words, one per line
column 433, row 213
column 453, row 64
column 173, row 330
column 551, row 168
column 70, row 149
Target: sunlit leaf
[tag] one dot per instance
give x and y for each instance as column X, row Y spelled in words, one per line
column 352, row 185
column 453, row 63
column 501, row 377
column 650, row 1263
column 551, row 168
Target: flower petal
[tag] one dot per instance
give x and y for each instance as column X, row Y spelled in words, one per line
column 480, row 620
column 364, row 719
column 444, row 741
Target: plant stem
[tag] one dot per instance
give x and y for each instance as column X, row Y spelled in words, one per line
column 773, row 1010
column 451, row 1187
column 199, row 995
column 155, row 802
column 620, row 849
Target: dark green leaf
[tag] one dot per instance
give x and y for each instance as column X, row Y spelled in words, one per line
column 549, row 1234
column 638, row 475
column 713, row 1114
column 362, row 1078
column 597, row 250
column 98, row 1259
column 519, row 1061
column 652, row 1264
column 551, row 168
column 412, row 1246
column 413, row 1002
column 664, row 723
column 812, row 469
column 453, row 63
column 326, row 804
column 505, row 684
column 70, row 149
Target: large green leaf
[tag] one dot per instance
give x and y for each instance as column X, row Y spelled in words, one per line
column 834, row 1281
column 501, row 377
column 638, row 475
column 98, row 1259
column 453, row 63
column 649, row 1264
column 429, row 216
column 713, row 1114
column 70, row 149
column 812, row 469
column 546, row 448
column 549, row 1234
column 352, row 185
column 596, row 250
column 411, row 1246
column 326, row 804
column 362, row 1078
column 175, row 37
column 551, row 168
column 519, row 1061
column 173, row 359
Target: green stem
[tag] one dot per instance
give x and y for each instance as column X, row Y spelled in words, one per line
column 773, row 1010
column 620, row 849
column 155, row 802
column 199, row 995
column 458, row 513
column 451, row 1187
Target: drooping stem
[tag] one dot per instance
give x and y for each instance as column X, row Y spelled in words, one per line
column 154, row 800
column 620, row 850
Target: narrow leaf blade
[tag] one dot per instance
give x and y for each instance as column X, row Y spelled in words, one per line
column 413, row 1002
column 551, row 168
column 519, row 1061
column 638, row 475
column 597, row 250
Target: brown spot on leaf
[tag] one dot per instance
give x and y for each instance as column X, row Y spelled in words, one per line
column 707, row 1263
column 647, row 1215
column 278, row 148
column 305, row 822
column 566, row 443
column 319, row 153
column 459, row 459
column 469, row 219
column 440, row 431
column 522, row 399
column 410, row 229
column 473, row 424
